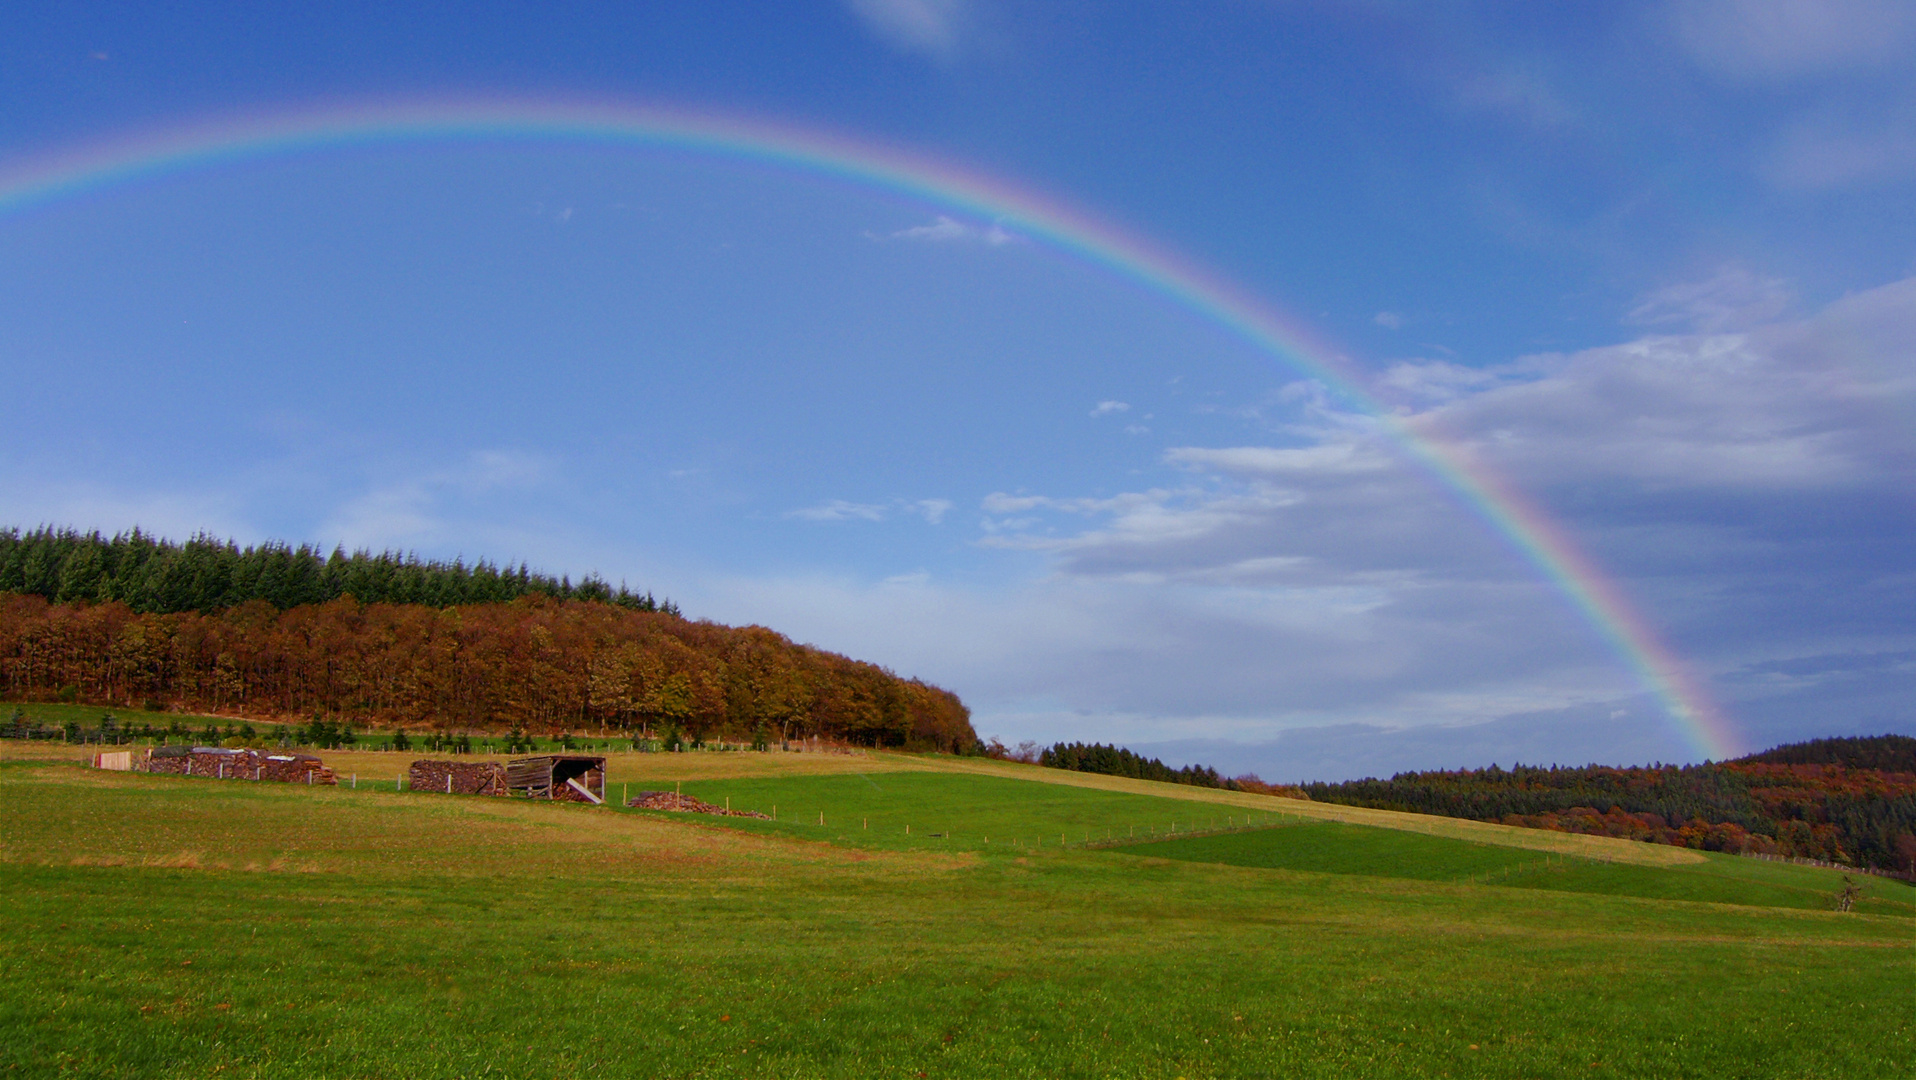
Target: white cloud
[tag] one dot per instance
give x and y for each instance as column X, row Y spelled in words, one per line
column 1427, row 382
column 1106, row 408
column 1390, row 320
column 941, row 230
column 1790, row 406
column 1325, row 607
column 935, row 28
column 932, row 510
column 1733, row 298
column 947, row 230
column 1141, row 534
column 1337, row 457
column 1770, row 39
column 840, row 510
column 1331, row 582
column 1221, row 655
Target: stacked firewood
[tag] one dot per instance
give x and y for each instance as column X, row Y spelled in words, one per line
column 295, row 769
column 221, row 764
column 685, row 804
column 457, row 777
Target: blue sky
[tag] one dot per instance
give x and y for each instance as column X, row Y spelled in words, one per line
column 1654, row 264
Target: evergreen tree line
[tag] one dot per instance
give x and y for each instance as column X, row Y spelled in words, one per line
column 1885, row 753
column 206, row 574
column 1117, row 761
column 1668, row 791
column 537, row 664
column 1842, row 800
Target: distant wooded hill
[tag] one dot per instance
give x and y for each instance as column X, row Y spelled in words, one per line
column 205, row 574
column 137, row 622
column 1117, row 761
column 1847, row 800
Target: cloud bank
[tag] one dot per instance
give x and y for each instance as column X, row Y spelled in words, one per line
column 1320, row 605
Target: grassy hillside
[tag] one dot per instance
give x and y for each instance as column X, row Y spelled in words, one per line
column 160, row 926
column 1339, row 848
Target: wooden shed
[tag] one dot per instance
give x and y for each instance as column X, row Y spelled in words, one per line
column 563, row 777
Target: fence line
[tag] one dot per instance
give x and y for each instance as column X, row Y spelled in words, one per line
column 1899, row 875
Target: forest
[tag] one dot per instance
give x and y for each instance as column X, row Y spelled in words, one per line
column 207, row 574
column 155, row 633
column 1117, row 761
column 1848, row 800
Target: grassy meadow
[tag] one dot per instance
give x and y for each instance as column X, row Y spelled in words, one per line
column 161, row 926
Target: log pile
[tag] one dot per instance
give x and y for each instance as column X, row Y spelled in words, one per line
column 219, row 763
column 457, row 777
column 294, row 769
column 573, row 792
column 686, row 804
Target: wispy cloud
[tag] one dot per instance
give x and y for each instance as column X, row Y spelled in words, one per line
column 1733, row 298
column 947, row 230
column 935, row 28
column 420, row 507
column 1770, row 39
column 1821, row 152
column 932, row 510
column 1326, row 458
column 1429, row 382
column 1107, row 408
column 840, row 510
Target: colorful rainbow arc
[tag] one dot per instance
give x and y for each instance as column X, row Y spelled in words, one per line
column 1523, row 525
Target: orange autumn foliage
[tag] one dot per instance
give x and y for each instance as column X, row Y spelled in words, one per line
column 537, row 663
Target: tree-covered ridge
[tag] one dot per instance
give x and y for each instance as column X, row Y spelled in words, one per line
column 1117, row 761
column 1887, row 753
column 206, row 574
column 537, row 664
column 1800, row 800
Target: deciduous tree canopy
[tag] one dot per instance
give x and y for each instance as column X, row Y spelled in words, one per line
column 538, row 663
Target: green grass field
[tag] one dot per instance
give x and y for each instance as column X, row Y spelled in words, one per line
column 158, row 926
column 935, row 811
column 1339, row 848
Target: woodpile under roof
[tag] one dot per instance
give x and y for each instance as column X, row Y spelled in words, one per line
column 559, row 777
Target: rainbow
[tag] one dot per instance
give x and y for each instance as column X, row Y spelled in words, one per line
column 1531, row 532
